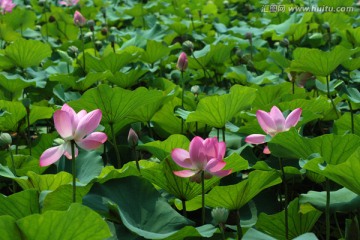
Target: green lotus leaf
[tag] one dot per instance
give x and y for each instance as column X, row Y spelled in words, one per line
column 216, row 110
column 115, row 103
column 333, row 148
column 342, row 200
column 46, row 181
column 14, row 85
column 9, row 229
column 128, row 79
column 318, row 62
column 274, row 225
column 155, row 51
column 112, row 62
column 233, row 197
column 14, row 112
column 78, row 222
column 27, row 53
column 343, row 124
column 20, row 18
column 344, row 173
column 21, row 204
column 140, row 207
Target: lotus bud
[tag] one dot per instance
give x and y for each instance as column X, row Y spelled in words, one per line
column 104, row 31
column 91, row 24
column 133, row 138
column 52, row 19
column 73, row 51
column 182, row 62
column 188, row 47
column 284, row 43
column 326, row 26
column 220, row 215
column 195, row 89
column 79, row 19
column 187, row 11
column 248, row 36
column 5, row 139
column 98, row 45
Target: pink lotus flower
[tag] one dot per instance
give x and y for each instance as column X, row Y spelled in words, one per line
column 204, row 155
column 6, row 6
column 272, row 123
column 182, row 62
column 76, row 127
column 69, row 2
column 79, row 19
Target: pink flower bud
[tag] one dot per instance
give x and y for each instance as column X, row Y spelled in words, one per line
column 79, row 19
column 132, row 138
column 182, row 62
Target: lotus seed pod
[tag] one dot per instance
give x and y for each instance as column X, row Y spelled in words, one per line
column 284, row 43
column 248, row 35
column 104, row 31
column 5, row 139
column 52, row 19
column 188, row 47
column 73, row 51
column 112, row 38
column 187, row 11
column 91, row 25
column 195, row 89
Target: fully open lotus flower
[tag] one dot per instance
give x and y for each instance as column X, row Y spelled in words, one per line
column 69, row 2
column 77, row 127
column 204, row 155
column 272, row 123
column 182, row 62
column 79, row 19
column 6, row 6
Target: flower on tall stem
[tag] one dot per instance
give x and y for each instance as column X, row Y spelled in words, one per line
column 79, row 19
column 69, row 3
column 76, row 127
column 272, row 123
column 6, row 6
column 182, row 62
column 76, row 130
column 204, row 160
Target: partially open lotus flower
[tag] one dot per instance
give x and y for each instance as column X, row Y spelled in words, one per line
column 204, row 155
column 79, row 19
column 6, row 6
column 272, row 123
column 182, row 62
column 69, row 3
column 77, row 127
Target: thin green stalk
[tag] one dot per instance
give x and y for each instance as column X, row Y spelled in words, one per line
column 204, row 69
column 136, row 158
column 184, row 207
column 13, row 169
column 117, row 153
column 222, row 230
column 73, row 165
column 238, row 225
column 338, row 226
column 223, row 134
column 83, row 45
column 93, row 37
column 352, row 118
column 329, row 96
column 218, row 133
column 327, row 208
column 28, row 129
column 182, row 99
column 285, row 199
column 202, row 197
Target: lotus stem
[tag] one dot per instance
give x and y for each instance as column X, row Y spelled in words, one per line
column 202, row 197
column 285, row 199
column 238, row 225
column 352, row 118
column 117, row 153
column 327, row 208
column 13, row 168
column 28, row 128
column 83, row 45
column 182, row 99
column 223, row 134
column 73, row 164
column 183, row 201
column 329, row 96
